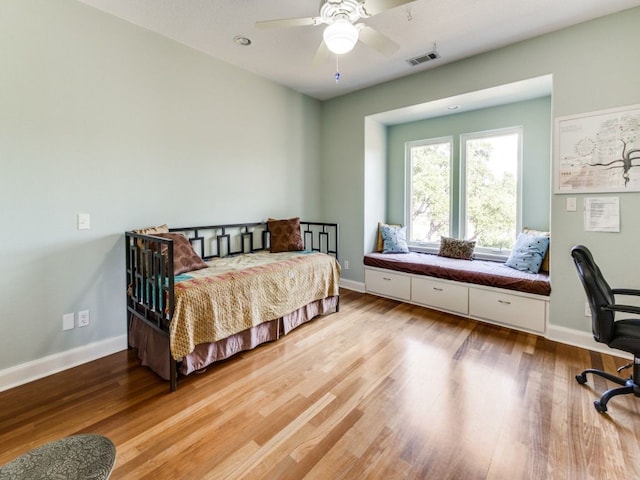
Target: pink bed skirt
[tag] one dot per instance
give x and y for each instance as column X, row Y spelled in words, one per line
column 153, row 346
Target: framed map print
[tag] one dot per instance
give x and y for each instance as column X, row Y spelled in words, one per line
column 598, row 151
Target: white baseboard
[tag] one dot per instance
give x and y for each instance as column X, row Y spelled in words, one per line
column 42, row 367
column 556, row 333
column 352, row 285
column 581, row 339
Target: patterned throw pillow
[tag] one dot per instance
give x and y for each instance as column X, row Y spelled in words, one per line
column 454, row 248
column 151, row 231
column 380, row 243
column 185, row 259
column 545, row 261
column 285, row 235
column 394, row 238
column 528, row 252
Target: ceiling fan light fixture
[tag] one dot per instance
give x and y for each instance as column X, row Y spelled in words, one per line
column 341, row 36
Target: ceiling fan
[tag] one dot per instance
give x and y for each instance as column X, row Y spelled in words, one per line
column 342, row 32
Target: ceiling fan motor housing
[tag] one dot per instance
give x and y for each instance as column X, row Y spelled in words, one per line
column 332, row 10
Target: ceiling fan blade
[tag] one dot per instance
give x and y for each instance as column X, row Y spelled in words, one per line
column 289, row 22
column 376, row 40
column 321, row 56
column 374, row 7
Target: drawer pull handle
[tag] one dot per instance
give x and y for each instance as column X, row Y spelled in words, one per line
column 504, row 302
column 387, row 279
column 437, row 289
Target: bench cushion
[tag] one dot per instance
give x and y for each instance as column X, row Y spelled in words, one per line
column 480, row 272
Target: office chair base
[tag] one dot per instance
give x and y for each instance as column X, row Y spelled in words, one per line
column 628, row 386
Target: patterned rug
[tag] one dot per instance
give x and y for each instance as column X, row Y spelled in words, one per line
column 78, row 457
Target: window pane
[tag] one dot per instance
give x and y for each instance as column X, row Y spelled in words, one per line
column 430, row 201
column 492, row 190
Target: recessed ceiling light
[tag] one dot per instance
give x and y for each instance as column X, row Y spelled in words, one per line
column 453, row 107
column 243, row 41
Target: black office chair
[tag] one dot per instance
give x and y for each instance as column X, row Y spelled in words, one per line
column 621, row 334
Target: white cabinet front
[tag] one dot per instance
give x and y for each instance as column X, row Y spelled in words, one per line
column 440, row 295
column 521, row 312
column 388, row 284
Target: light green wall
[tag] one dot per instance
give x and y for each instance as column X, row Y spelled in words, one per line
column 534, row 116
column 92, row 108
column 375, row 177
column 593, row 67
column 102, row 117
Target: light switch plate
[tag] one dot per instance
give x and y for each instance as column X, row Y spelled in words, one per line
column 571, row 204
column 84, row 221
column 68, row 321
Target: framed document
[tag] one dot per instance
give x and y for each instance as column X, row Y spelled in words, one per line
column 598, row 151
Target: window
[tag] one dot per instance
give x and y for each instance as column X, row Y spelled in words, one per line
column 482, row 203
column 429, row 190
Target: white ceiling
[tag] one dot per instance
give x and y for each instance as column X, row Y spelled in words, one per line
column 459, row 28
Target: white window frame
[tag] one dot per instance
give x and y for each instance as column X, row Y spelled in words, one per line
column 460, row 201
column 485, row 252
column 430, row 247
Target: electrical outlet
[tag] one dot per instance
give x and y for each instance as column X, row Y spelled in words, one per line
column 68, row 321
column 587, row 309
column 346, row 264
column 83, row 318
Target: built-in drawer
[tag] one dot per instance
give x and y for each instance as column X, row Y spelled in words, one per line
column 514, row 310
column 388, row 284
column 440, row 295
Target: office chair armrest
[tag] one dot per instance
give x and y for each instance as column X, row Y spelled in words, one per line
column 625, row 291
column 622, row 308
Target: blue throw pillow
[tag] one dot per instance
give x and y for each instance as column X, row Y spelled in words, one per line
column 394, row 238
column 528, row 252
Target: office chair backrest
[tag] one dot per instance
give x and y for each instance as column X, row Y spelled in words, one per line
column 598, row 293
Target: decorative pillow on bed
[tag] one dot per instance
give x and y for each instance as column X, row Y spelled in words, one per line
column 395, row 239
column 528, row 252
column 285, row 235
column 545, row 261
column 380, row 244
column 454, row 248
column 185, row 259
column 151, row 231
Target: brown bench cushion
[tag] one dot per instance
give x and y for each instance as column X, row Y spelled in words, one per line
column 480, row 272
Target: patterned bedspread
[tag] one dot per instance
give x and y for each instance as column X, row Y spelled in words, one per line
column 240, row 292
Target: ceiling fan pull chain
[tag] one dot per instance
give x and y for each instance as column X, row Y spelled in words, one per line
column 337, row 75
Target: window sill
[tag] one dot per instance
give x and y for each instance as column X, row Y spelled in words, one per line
column 490, row 256
column 494, row 257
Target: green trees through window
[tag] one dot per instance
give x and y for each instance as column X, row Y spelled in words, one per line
column 430, row 191
column 482, row 204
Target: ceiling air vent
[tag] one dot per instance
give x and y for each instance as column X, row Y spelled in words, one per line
column 427, row 57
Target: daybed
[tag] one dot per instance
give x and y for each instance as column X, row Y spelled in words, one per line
column 197, row 295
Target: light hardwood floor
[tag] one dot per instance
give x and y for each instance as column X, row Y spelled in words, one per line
column 380, row 390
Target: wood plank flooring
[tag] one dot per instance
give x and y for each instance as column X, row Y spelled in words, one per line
column 380, row 390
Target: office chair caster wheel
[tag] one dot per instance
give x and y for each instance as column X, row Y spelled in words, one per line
column 599, row 406
column 581, row 378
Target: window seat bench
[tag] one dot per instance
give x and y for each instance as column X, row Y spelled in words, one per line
column 478, row 289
